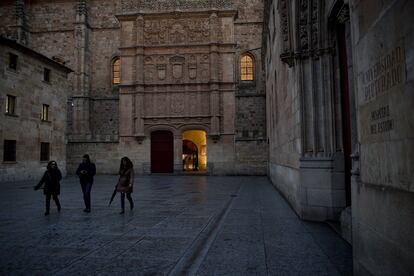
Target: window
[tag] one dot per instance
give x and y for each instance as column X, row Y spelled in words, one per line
column 116, row 71
column 46, row 75
column 246, row 68
column 10, row 104
column 12, row 61
column 44, row 116
column 9, row 153
column 44, row 152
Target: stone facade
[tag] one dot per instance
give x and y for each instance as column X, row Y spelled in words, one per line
column 339, row 122
column 305, row 124
column 24, row 125
column 383, row 185
column 180, row 67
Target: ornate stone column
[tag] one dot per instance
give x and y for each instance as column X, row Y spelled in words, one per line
column 214, row 77
column 322, row 193
column 81, row 113
column 139, row 80
column 130, row 105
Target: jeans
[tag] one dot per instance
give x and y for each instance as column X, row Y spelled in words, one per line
column 55, row 198
column 131, row 203
column 86, row 190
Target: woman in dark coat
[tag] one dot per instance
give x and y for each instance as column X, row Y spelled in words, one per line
column 125, row 182
column 51, row 180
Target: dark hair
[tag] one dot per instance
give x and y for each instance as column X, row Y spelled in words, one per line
column 49, row 165
column 128, row 165
column 86, row 156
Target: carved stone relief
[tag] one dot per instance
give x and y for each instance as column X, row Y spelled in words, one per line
column 177, row 103
column 160, row 104
column 215, row 26
column 308, row 28
column 177, row 68
column 168, row 5
column 177, row 64
column 199, row 31
column 148, row 69
column 284, row 14
column 194, row 105
column 205, row 68
column 177, row 34
column 343, row 14
column 161, row 68
column 315, row 25
column 303, row 25
column 192, row 67
column 176, row 31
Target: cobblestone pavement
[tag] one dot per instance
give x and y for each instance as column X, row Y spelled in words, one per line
column 181, row 225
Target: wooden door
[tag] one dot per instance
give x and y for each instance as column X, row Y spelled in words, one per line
column 162, row 152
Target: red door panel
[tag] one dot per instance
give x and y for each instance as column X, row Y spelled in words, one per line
column 162, row 155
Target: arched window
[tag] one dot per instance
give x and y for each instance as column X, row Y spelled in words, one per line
column 246, row 68
column 116, row 70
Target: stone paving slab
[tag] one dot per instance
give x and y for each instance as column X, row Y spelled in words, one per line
column 181, row 225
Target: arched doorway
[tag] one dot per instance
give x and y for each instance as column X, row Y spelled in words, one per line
column 162, row 152
column 194, row 150
column 190, row 156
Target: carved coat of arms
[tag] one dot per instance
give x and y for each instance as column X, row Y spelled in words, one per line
column 177, row 63
column 192, row 71
column 161, row 69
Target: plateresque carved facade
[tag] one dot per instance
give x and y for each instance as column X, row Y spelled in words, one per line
column 179, row 71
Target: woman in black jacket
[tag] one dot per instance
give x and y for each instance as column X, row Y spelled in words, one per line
column 51, row 180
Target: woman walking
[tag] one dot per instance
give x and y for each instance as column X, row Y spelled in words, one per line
column 125, row 183
column 51, row 180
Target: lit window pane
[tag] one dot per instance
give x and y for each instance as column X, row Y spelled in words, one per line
column 10, row 104
column 246, row 68
column 116, row 71
column 44, row 116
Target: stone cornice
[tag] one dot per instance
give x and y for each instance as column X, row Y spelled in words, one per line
column 175, row 14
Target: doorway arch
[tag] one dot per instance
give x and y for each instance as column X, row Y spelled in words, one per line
column 190, row 156
column 162, row 151
column 194, row 153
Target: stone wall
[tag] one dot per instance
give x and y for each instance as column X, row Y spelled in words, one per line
column 282, row 113
column 383, row 187
column 7, row 15
column 98, row 152
column 25, row 126
column 250, row 121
